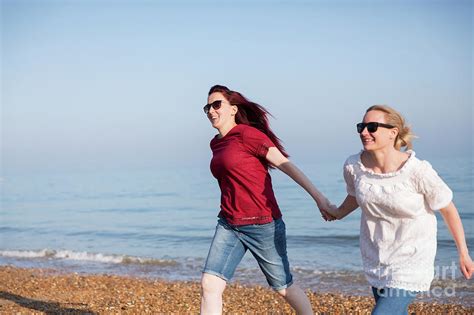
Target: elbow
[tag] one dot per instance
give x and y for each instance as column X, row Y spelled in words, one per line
column 283, row 164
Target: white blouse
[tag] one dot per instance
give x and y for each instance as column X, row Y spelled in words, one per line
column 398, row 225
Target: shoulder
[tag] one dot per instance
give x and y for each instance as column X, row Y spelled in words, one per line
column 351, row 163
column 250, row 133
column 421, row 164
column 352, row 160
column 420, row 167
column 247, row 129
column 423, row 173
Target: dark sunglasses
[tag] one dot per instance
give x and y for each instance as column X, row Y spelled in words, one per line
column 216, row 105
column 372, row 126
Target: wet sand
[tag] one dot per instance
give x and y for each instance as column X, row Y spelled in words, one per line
column 41, row 291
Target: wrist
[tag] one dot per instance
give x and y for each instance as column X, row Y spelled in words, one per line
column 319, row 200
column 463, row 254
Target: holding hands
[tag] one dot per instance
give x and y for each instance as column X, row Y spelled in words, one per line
column 331, row 212
column 327, row 209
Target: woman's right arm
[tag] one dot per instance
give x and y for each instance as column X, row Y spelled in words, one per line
column 348, row 205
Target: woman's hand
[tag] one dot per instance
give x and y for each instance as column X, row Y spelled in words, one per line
column 453, row 221
column 466, row 265
column 327, row 209
column 332, row 212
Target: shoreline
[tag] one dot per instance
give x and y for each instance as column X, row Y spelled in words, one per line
column 27, row 290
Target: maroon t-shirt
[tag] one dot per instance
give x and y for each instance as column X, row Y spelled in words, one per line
column 241, row 170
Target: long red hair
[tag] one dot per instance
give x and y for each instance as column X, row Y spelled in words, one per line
column 249, row 113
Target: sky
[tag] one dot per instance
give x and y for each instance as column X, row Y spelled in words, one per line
column 121, row 84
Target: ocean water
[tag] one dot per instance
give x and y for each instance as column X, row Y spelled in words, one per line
column 159, row 223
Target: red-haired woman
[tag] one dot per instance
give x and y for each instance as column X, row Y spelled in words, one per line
column 249, row 217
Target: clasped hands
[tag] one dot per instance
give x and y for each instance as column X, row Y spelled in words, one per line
column 329, row 211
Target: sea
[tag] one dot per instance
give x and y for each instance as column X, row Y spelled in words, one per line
column 158, row 223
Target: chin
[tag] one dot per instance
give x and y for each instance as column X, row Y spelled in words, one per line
column 213, row 124
column 368, row 147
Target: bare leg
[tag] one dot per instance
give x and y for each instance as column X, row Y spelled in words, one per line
column 297, row 299
column 212, row 288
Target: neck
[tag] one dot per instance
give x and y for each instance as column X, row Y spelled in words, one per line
column 225, row 129
column 384, row 160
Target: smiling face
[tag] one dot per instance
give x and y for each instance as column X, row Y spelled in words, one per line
column 224, row 117
column 382, row 138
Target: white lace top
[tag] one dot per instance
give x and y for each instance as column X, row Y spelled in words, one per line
column 398, row 225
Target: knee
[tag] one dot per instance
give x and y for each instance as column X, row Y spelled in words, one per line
column 206, row 284
column 212, row 285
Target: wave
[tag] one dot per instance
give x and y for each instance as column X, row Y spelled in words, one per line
column 86, row 256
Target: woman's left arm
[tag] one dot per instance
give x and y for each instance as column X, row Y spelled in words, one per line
column 277, row 159
column 453, row 221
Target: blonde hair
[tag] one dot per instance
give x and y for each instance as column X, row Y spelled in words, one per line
column 394, row 118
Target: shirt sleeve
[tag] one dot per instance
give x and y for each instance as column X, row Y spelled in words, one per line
column 349, row 178
column 256, row 142
column 437, row 194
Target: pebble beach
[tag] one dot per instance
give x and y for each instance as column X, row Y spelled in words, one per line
column 47, row 291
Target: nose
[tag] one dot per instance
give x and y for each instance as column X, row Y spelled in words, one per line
column 364, row 131
column 211, row 113
column 211, row 109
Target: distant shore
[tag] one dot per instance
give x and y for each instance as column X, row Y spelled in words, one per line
column 27, row 291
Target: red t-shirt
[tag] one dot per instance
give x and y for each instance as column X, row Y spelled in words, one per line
column 241, row 170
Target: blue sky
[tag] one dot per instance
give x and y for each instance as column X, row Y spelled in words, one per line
column 93, row 84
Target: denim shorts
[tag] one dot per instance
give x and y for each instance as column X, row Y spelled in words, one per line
column 266, row 242
column 392, row 300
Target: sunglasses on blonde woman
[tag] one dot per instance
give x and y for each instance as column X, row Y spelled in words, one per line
column 216, row 105
column 372, row 126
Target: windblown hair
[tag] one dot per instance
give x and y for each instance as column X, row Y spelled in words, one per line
column 249, row 113
column 394, row 118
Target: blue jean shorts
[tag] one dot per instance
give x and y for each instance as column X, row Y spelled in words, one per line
column 266, row 242
column 392, row 300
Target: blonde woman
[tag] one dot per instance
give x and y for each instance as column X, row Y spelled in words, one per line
column 398, row 195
